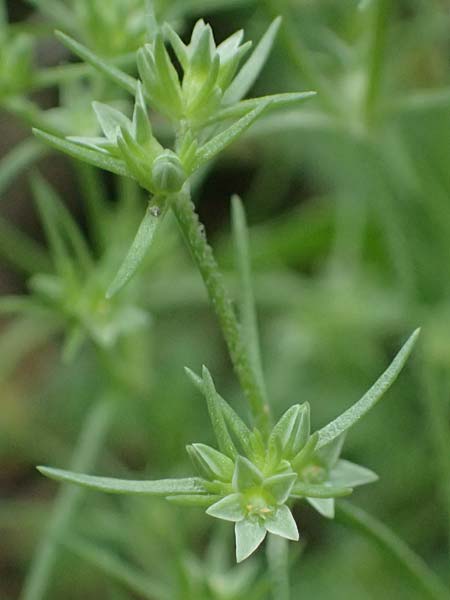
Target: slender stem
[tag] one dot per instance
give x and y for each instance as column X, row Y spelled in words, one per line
column 379, row 534
column 277, row 550
column 67, row 501
column 194, row 233
column 435, row 397
column 376, row 56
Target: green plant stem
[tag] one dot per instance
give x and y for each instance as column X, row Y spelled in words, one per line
column 277, row 550
column 376, row 56
column 194, row 233
column 435, row 397
column 379, row 534
column 90, row 441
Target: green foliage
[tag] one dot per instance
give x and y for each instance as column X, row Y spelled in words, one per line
column 346, row 197
column 253, row 490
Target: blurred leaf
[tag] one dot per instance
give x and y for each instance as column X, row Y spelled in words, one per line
column 162, row 487
column 117, row 76
column 117, row 569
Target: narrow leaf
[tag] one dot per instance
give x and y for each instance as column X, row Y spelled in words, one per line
column 248, row 307
column 138, row 249
column 18, row 160
column 115, row 568
column 325, row 506
column 346, row 473
column 309, row 490
column 110, row 120
column 249, row 73
column 216, row 415
column 276, row 101
column 117, row 76
column 227, row 137
column 110, row 485
column 235, row 423
column 92, row 157
column 59, row 222
column 368, row 401
column 22, row 251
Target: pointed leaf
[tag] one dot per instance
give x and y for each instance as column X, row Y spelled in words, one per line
column 62, row 230
column 18, row 160
column 249, row 73
column 280, row 486
column 329, row 454
column 235, row 423
column 178, row 46
column 216, row 415
column 282, row 523
column 117, row 76
column 368, row 401
column 306, row 453
column 311, row 490
column 303, row 430
column 228, row 509
column 97, row 159
column 276, row 101
column 347, row 474
column 249, row 535
column 138, row 249
column 161, row 487
column 324, row 507
column 219, row 466
column 227, row 137
column 248, row 307
column 286, row 428
column 246, row 475
column 110, row 120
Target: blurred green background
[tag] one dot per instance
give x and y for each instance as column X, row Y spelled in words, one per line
column 348, row 198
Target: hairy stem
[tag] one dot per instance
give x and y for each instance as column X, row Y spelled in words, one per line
column 67, row 501
column 194, row 233
column 378, row 533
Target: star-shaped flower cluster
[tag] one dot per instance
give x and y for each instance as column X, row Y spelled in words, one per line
column 253, row 481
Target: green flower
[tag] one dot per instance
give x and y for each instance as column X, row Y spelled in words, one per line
column 256, row 507
column 250, row 481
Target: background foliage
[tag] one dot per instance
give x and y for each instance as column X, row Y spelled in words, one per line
column 348, row 201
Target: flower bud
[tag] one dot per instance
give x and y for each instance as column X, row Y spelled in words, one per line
column 168, row 174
